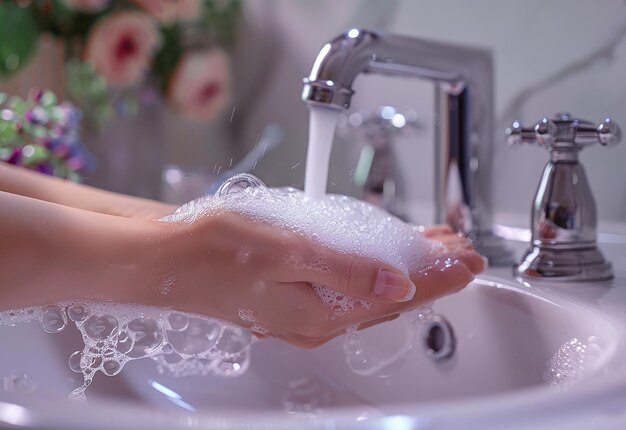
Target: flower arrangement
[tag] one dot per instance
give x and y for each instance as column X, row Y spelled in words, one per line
column 121, row 54
column 40, row 134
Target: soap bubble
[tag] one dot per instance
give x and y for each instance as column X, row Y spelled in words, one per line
column 53, row 319
column 239, row 183
column 178, row 321
column 111, row 367
column 199, row 336
column 100, row 327
column 77, row 312
column 234, row 340
column 114, row 334
column 124, row 342
column 167, row 348
column 147, row 335
column 78, row 362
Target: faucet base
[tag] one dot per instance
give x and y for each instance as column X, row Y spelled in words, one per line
column 541, row 262
column 492, row 247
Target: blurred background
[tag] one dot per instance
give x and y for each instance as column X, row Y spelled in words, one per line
column 174, row 93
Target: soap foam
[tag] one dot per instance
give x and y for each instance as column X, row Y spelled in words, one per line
column 339, row 222
column 181, row 344
column 572, row 362
column 339, row 303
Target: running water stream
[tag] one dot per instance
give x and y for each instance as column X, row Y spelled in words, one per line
column 322, row 125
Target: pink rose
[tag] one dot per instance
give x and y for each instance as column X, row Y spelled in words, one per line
column 87, row 5
column 168, row 11
column 121, row 45
column 199, row 87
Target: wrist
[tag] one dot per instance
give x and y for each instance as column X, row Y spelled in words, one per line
column 184, row 268
column 102, row 258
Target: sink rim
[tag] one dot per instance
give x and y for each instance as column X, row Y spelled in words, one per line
column 533, row 404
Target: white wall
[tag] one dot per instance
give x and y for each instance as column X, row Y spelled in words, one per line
column 550, row 56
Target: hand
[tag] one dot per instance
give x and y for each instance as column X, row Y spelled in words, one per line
column 259, row 276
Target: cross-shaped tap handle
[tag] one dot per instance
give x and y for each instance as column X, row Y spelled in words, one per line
column 563, row 131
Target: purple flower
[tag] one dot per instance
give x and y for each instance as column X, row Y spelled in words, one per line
column 16, row 156
column 46, row 168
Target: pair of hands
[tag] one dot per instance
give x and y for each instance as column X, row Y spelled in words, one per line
column 222, row 265
column 257, row 275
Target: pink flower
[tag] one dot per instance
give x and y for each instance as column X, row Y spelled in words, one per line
column 121, row 45
column 168, row 11
column 199, row 87
column 86, row 5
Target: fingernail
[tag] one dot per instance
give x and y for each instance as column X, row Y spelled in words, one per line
column 485, row 261
column 393, row 286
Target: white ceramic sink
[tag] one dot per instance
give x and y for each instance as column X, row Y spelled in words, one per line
column 502, row 372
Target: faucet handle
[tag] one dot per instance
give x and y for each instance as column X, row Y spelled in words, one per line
column 516, row 134
column 562, row 131
column 609, row 133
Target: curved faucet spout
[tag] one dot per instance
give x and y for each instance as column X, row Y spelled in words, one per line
column 357, row 51
column 463, row 113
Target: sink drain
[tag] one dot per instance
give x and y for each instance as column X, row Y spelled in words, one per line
column 439, row 339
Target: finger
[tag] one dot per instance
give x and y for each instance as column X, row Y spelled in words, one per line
column 437, row 230
column 473, row 260
column 314, row 342
column 434, row 282
column 460, row 248
column 377, row 321
column 431, row 285
column 352, row 275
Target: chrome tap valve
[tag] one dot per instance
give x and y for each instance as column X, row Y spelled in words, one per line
column 563, row 244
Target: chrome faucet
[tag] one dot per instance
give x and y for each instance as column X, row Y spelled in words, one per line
column 563, row 222
column 464, row 116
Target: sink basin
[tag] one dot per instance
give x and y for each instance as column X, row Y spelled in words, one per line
column 536, row 352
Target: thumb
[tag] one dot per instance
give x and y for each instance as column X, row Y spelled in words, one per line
column 353, row 275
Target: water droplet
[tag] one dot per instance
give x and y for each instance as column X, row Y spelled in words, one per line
column 234, row 366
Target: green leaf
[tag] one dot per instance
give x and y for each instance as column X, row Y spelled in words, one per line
column 34, row 154
column 48, row 99
column 167, row 58
column 221, row 18
column 89, row 91
column 7, row 133
column 18, row 37
column 17, row 104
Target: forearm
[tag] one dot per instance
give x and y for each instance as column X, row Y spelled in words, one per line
column 50, row 253
column 21, row 181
